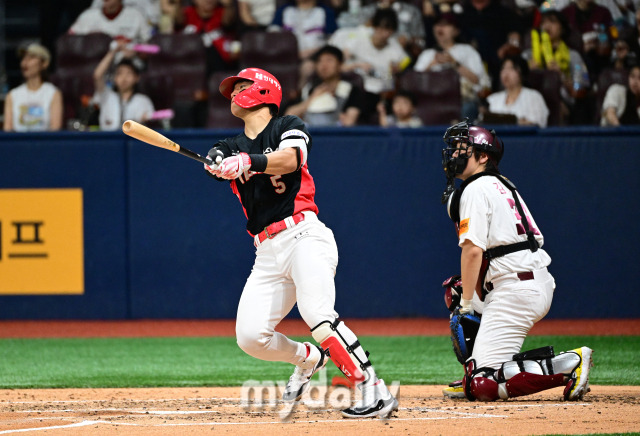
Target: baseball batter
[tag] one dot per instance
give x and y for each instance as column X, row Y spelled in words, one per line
column 296, row 254
column 503, row 261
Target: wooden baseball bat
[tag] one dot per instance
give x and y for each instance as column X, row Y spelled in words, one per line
column 150, row 136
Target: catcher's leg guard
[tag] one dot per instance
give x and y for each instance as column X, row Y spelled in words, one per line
column 343, row 347
column 479, row 383
column 535, row 371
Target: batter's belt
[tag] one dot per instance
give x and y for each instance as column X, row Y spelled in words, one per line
column 273, row 229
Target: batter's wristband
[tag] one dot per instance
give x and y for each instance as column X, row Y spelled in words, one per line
column 258, row 163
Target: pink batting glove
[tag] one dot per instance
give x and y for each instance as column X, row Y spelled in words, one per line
column 213, row 169
column 231, row 167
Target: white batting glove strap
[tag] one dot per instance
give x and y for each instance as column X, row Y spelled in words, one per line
column 231, row 167
column 466, row 306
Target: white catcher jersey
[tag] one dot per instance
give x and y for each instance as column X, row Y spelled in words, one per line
column 489, row 218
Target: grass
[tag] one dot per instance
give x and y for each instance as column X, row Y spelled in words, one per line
column 146, row 362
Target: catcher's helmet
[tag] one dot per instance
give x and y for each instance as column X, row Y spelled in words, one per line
column 265, row 89
column 460, row 137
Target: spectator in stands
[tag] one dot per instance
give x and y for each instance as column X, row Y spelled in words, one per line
column 621, row 104
column 312, row 23
column 114, row 19
column 329, row 100
column 150, row 9
column 36, row 105
column 493, row 30
column 376, row 56
column 464, row 59
column 622, row 57
column 123, row 102
column 169, row 10
column 526, row 104
column 214, row 20
column 595, row 24
column 410, row 33
column 549, row 51
column 256, row 14
column 403, row 111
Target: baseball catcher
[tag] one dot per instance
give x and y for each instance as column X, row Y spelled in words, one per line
column 502, row 260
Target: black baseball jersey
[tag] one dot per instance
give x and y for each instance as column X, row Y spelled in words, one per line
column 267, row 198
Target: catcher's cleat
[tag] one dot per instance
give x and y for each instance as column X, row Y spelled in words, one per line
column 454, row 390
column 578, row 384
column 376, row 401
column 300, row 379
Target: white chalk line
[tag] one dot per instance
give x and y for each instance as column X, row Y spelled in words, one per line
column 187, row 424
column 53, row 427
column 124, row 411
column 152, row 400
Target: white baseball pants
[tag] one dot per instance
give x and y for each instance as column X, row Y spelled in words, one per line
column 298, row 266
column 509, row 312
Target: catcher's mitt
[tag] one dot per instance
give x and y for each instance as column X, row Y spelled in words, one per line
column 464, row 328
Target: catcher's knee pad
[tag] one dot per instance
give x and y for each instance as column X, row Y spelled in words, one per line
column 479, row 384
column 344, row 349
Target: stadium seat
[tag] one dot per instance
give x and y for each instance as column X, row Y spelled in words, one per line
column 176, row 77
column 76, row 91
column 437, row 95
column 181, row 57
column 219, row 115
column 81, row 53
column 268, row 48
column 275, row 52
column 548, row 83
column 77, row 57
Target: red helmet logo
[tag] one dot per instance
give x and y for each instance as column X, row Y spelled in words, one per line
column 265, row 89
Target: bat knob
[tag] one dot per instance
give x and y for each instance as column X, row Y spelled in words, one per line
column 215, row 156
column 213, row 160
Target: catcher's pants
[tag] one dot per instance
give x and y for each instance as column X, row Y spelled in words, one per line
column 297, row 265
column 509, row 312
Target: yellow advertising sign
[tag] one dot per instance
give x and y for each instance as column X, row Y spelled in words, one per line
column 41, row 241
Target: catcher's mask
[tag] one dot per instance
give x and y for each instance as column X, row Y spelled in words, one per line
column 461, row 139
column 265, row 89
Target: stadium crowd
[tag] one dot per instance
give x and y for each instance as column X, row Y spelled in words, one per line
column 403, row 63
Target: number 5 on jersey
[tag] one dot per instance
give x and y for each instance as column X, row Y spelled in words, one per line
column 278, row 184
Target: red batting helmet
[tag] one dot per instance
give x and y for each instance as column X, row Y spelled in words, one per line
column 265, row 89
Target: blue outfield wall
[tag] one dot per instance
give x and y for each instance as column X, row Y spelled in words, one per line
column 163, row 240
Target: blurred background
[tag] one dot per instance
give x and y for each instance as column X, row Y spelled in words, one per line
column 95, row 225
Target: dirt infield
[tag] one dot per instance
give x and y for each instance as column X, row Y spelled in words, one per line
column 199, row 411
